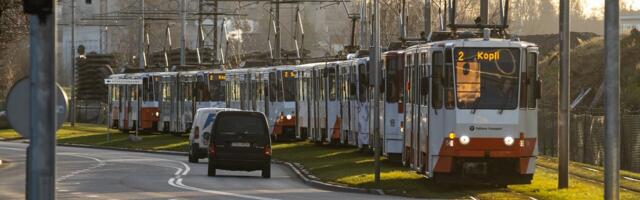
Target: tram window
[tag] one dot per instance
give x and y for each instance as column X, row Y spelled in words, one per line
column 116, row 93
column 272, row 87
column 449, row 97
column 289, row 85
column 438, row 67
column 331, row 79
column 391, row 66
column 532, row 78
column 424, row 80
column 362, row 72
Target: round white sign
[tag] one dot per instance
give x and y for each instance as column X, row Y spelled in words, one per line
column 18, row 107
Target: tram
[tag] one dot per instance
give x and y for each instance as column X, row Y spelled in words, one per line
column 472, row 109
column 128, row 111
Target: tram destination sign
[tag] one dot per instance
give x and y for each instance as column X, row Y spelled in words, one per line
column 123, row 81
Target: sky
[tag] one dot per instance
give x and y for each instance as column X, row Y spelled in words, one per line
column 595, row 8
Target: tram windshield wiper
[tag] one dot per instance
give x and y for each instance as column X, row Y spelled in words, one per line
column 474, row 107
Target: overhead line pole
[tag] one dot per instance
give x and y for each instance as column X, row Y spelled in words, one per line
column 427, row 18
column 612, row 100
column 73, row 63
column 563, row 101
column 183, row 27
column 277, row 53
column 141, row 55
column 376, row 89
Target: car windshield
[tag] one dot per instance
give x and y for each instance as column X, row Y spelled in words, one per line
column 240, row 124
column 487, row 78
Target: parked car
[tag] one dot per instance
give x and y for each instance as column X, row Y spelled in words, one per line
column 240, row 142
column 198, row 137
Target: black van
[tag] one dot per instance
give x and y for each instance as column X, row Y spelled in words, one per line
column 240, row 141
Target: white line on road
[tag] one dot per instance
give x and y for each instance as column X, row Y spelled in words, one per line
column 177, row 182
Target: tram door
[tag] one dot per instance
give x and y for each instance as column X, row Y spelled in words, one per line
column 422, row 82
column 437, row 109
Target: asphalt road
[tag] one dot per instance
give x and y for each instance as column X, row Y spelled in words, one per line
column 83, row 173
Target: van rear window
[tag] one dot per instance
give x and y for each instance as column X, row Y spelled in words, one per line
column 240, row 125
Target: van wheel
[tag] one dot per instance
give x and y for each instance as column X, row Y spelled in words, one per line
column 211, row 169
column 193, row 157
column 266, row 171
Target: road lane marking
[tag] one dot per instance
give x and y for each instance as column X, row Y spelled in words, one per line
column 177, row 182
column 100, row 164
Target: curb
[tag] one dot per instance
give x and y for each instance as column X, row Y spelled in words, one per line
column 314, row 181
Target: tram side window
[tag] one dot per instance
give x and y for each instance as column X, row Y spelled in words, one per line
column 362, row 71
column 438, row 67
column 115, row 95
column 449, row 82
column 272, row 87
column 391, row 66
column 424, row 80
column 532, row 78
column 331, row 78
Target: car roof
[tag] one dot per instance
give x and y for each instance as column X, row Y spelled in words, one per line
column 215, row 110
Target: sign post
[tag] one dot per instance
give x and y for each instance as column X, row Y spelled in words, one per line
column 41, row 159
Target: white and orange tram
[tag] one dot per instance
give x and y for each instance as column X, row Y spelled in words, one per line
column 472, row 109
column 133, row 102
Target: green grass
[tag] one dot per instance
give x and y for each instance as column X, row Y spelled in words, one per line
column 544, row 186
column 91, row 134
column 347, row 166
column 9, row 134
column 582, row 170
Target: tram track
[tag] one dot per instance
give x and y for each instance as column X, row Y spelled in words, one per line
column 594, row 180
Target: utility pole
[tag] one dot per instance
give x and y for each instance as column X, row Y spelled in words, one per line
column 215, row 32
column 141, row 56
column 427, row 18
column 563, row 111
column 612, row 100
column 484, row 11
column 73, row 63
column 403, row 21
column 363, row 24
column 41, row 160
column 183, row 27
column 277, row 54
column 376, row 89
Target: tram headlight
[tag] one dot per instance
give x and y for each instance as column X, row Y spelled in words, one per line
column 508, row 140
column 289, row 117
column 452, row 135
column 464, row 140
column 157, row 114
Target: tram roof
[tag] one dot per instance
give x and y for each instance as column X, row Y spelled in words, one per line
column 476, row 42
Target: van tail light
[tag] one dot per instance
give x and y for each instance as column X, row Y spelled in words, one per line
column 212, row 150
column 267, row 151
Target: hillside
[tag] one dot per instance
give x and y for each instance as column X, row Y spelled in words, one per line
column 587, row 72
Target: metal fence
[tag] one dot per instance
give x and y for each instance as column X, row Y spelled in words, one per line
column 93, row 112
column 587, row 138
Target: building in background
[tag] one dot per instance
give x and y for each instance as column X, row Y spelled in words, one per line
column 627, row 23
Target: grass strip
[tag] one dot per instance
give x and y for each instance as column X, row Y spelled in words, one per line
column 591, row 171
column 96, row 135
column 347, row 166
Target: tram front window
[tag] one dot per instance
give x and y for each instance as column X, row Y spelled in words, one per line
column 216, row 87
column 487, row 78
